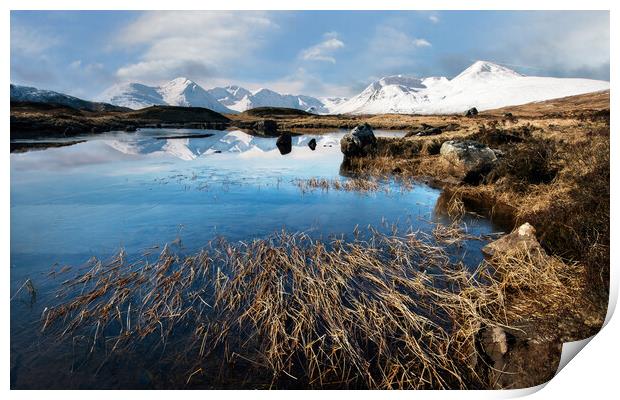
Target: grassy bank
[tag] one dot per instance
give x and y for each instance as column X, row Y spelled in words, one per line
column 553, row 173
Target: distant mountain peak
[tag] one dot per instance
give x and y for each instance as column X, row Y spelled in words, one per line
column 487, row 69
column 401, row 80
column 177, row 92
column 181, row 80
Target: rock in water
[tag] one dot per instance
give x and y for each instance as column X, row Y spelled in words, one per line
column 468, row 159
column 312, row 144
column 361, row 141
column 285, row 143
column 471, row 112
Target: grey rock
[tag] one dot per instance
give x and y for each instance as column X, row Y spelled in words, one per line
column 471, row 112
column 312, row 144
column 468, row 156
column 361, row 141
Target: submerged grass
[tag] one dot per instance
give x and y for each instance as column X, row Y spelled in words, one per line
column 385, row 311
column 354, row 184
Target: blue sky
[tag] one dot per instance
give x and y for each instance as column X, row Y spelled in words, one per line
column 321, row 53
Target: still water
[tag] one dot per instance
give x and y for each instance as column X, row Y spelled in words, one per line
column 138, row 190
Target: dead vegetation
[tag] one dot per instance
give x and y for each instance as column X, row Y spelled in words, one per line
column 552, row 171
column 354, row 184
column 382, row 311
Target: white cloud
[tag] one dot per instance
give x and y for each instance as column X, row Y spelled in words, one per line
column 29, row 41
column 301, row 81
column 200, row 44
column 323, row 51
column 421, row 43
column 78, row 65
column 566, row 40
column 391, row 49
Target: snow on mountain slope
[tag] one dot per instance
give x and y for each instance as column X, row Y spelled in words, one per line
column 483, row 85
column 392, row 94
column 229, row 95
column 178, row 92
column 186, row 93
column 133, row 95
column 330, row 103
column 269, row 98
column 26, row 93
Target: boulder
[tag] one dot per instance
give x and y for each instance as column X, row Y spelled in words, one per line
column 468, row 159
column 285, row 143
column 494, row 343
column 312, row 144
column 471, row 112
column 130, row 128
column 521, row 239
column 360, row 142
column 510, row 117
column 266, row 127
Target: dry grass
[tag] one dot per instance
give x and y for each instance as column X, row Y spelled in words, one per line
column 355, row 184
column 554, row 174
column 384, row 311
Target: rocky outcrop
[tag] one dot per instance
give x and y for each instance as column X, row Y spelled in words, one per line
column 361, row 141
column 285, row 143
column 312, row 144
column 467, row 159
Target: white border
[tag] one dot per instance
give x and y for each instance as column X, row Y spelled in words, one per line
column 593, row 372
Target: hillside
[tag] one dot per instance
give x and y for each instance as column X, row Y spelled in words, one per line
column 30, row 119
column 34, row 95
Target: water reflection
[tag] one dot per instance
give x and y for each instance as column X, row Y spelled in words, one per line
column 139, row 190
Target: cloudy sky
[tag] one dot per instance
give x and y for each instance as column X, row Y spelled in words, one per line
column 321, row 53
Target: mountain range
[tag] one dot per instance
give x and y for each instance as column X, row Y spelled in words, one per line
column 484, row 85
column 34, row 95
column 185, row 92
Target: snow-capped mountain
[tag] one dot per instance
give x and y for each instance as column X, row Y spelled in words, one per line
column 229, row 99
column 483, row 85
column 392, row 94
column 178, row 92
column 26, row 93
column 330, row 103
column 229, row 95
column 240, row 99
